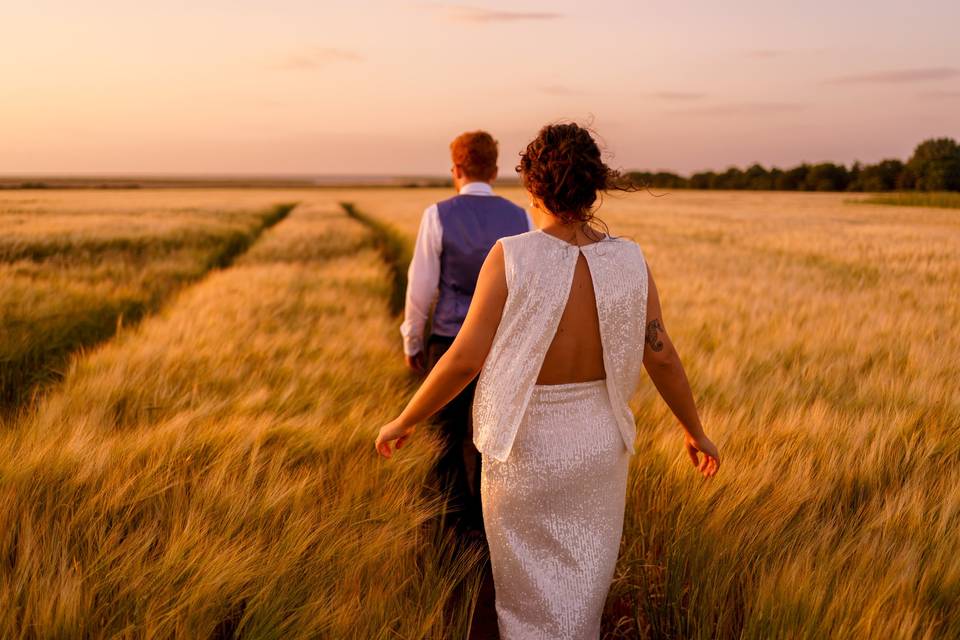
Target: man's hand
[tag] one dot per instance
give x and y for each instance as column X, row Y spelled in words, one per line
column 416, row 363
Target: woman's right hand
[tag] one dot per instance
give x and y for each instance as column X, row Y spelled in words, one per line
column 395, row 431
column 696, row 445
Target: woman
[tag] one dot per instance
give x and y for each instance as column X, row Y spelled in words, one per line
column 560, row 323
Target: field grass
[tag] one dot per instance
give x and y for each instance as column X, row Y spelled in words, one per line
column 395, row 249
column 947, row 199
column 73, row 269
column 821, row 342
column 211, row 473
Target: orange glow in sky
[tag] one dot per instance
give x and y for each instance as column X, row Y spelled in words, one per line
column 381, row 87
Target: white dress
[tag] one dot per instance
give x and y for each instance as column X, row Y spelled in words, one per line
column 555, row 463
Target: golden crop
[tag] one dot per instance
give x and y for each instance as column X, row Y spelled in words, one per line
column 822, row 345
column 211, row 470
column 73, row 266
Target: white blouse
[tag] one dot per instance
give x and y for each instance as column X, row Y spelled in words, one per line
column 539, row 272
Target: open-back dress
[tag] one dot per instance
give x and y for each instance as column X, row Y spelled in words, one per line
column 555, row 457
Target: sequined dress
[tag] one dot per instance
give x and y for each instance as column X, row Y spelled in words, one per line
column 555, row 462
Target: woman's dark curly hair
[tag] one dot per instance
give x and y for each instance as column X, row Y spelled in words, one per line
column 563, row 167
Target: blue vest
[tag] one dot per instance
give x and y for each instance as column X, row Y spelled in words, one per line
column 471, row 225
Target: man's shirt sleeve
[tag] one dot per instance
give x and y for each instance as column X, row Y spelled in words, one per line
column 423, row 280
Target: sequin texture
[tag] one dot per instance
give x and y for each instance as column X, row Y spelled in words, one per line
column 553, row 513
column 539, row 270
column 555, row 457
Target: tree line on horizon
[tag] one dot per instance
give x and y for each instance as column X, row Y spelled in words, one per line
column 934, row 166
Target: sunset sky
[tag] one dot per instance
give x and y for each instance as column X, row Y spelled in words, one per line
column 378, row 87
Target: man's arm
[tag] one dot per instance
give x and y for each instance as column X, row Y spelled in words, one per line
column 462, row 361
column 423, row 278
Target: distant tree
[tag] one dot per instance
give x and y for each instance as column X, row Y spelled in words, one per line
column 757, row 178
column 907, row 180
column 935, row 165
column 792, row 179
column 732, row 178
column 643, row 178
column 775, row 176
column 827, row 176
column 882, row 176
column 660, row 179
column 668, row 180
column 853, row 176
column 702, row 180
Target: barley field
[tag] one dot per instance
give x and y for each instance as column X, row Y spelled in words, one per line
column 948, row 199
column 74, row 266
column 209, row 471
column 820, row 339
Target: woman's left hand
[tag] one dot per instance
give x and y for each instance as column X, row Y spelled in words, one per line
column 393, row 430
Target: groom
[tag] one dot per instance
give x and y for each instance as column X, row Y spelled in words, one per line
column 454, row 238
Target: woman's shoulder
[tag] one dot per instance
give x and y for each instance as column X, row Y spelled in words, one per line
column 625, row 244
column 534, row 241
column 519, row 238
column 539, row 238
column 623, row 254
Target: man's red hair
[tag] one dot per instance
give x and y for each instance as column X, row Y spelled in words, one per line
column 475, row 152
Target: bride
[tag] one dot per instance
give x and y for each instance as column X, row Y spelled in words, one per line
column 562, row 319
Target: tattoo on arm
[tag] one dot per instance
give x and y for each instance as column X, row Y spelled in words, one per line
column 652, row 338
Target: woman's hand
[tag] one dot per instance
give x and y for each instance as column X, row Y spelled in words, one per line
column 462, row 361
column 393, row 430
column 711, row 457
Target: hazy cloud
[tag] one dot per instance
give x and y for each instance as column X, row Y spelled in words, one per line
column 461, row 13
column 761, row 54
column 316, row 58
column 900, row 76
column 742, row 109
column 560, row 90
column 941, row 95
column 679, row 96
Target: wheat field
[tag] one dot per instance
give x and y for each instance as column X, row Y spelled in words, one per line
column 75, row 265
column 208, row 471
column 211, row 472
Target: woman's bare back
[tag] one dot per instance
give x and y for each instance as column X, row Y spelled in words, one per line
column 576, row 352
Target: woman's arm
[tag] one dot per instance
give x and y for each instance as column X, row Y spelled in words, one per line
column 462, row 361
column 662, row 362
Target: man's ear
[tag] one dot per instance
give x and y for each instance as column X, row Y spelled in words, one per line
column 494, row 175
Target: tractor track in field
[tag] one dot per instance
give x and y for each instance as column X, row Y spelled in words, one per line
column 394, row 250
column 36, row 371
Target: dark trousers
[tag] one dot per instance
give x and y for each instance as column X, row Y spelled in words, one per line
column 458, row 473
column 458, row 467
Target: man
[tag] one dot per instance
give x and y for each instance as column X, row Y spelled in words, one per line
column 454, row 239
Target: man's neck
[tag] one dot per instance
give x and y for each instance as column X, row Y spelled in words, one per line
column 475, row 188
